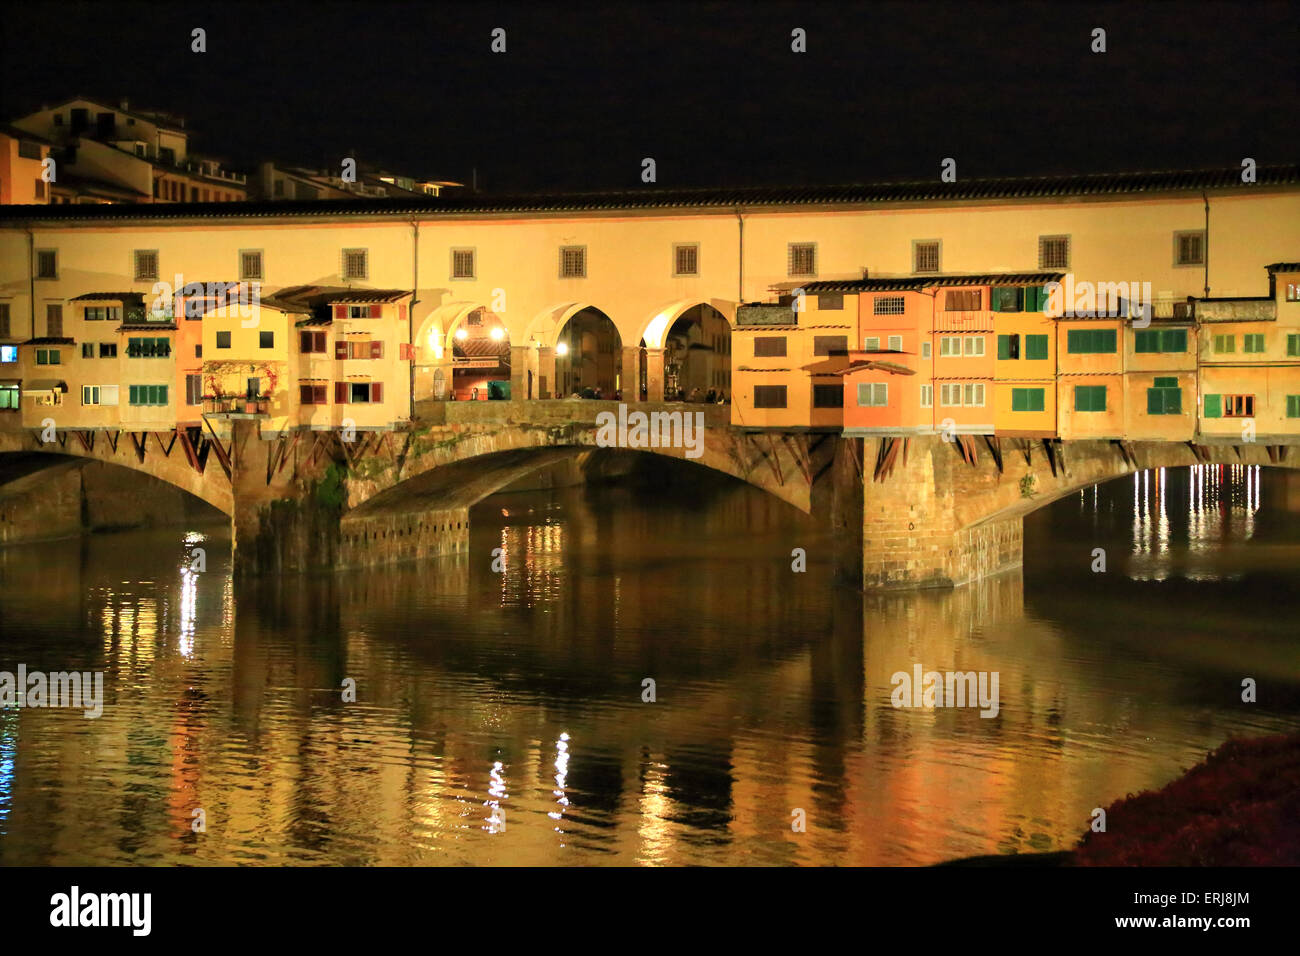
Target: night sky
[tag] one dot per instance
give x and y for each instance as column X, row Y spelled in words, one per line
column 712, row 92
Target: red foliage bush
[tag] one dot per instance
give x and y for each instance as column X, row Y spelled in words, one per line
column 1240, row 807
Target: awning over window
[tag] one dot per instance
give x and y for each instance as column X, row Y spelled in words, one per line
column 45, row 385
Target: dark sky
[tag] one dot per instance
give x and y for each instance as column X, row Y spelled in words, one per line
column 712, row 92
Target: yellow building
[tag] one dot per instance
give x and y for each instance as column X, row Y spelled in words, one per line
column 1250, row 363
column 1024, row 372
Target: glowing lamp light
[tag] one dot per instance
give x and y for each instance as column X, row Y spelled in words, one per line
column 497, row 334
column 462, row 334
column 562, row 348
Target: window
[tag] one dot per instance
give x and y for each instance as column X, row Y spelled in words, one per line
column 1090, row 341
column 40, row 189
column 830, row 302
column 159, row 347
column 1160, row 340
column 925, row 255
column 358, row 350
column 1008, row 346
column 223, row 340
column 895, row 343
column 888, row 305
column 573, row 262
column 312, row 394
column 686, row 259
column 871, row 343
column 1090, row 398
column 146, row 264
column 1254, row 342
column 5, row 333
column 147, row 395
column 90, row 394
column 1189, row 248
column 87, row 349
column 963, row 300
column 1165, row 397
column 311, row 341
column 266, row 340
column 950, row 345
column 927, row 396
column 198, row 351
column 973, row 393
column 8, row 354
column 873, row 394
column 108, row 350
column 769, row 396
column 1292, row 341
column 950, row 394
column 801, row 259
column 1229, row 406
column 830, row 345
column 1293, row 406
column 462, row 264
column 193, row 389
column 371, row 312
column 975, row 345
column 1027, row 399
column 47, row 264
column 108, row 394
column 1007, row 299
column 48, row 357
column 925, row 350
column 103, row 313
column 1225, row 343
column 8, row 398
column 828, row 396
column 1035, row 347
column 769, row 346
column 1053, row 252
column 356, row 263
column 250, row 264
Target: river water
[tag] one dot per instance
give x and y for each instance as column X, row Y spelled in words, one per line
column 500, row 717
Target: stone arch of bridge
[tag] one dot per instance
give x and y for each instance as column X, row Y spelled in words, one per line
column 212, row 486
column 463, row 472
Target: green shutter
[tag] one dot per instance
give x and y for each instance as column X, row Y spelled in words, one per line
column 1036, row 346
column 1173, row 401
column 134, row 395
column 1213, row 406
column 1165, row 382
column 1035, row 399
column 1107, row 340
column 1293, row 406
column 1146, row 340
column 1293, row 345
column 1174, row 340
column 1155, row 403
column 1017, row 399
column 1004, row 346
column 1074, row 341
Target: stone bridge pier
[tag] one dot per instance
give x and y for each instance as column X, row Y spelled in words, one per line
column 943, row 513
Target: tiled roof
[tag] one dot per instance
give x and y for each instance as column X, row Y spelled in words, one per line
column 108, row 297
column 717, row 198
column 1284, row 267
column 50, row 340
column 916, row 283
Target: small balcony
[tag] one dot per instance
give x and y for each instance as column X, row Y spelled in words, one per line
column 236, row 406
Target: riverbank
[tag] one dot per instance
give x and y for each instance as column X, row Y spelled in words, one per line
column 1238, row 807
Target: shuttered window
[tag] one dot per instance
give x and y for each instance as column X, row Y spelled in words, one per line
column 873, row 394
column 1026, row 399
column 1007, row 298
column 828, row 396
column 1035, row 346
column 1293, row 406
column 769, row 346
column 1090, row 398
column 1008, row 346
column 830, row 302
column 1090, row 341
column 1253, row 343
column 769, row 396
column 963, row 300
column 312, row 394
column 830, row 345
column 54, row 321
column 1213, row 406
column 1160, row 340
column 1165, row 397
column 311, row 342
column 1225, row 343
column 1189, row 248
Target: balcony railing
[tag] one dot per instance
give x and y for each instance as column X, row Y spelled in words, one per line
column 238, row 405
column 765, row 314
column 148, row 351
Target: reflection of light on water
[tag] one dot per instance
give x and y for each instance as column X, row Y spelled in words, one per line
column 561, row 776
column 652, row 827
column 495, row 819
column 8, row 757
column 189, row 605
